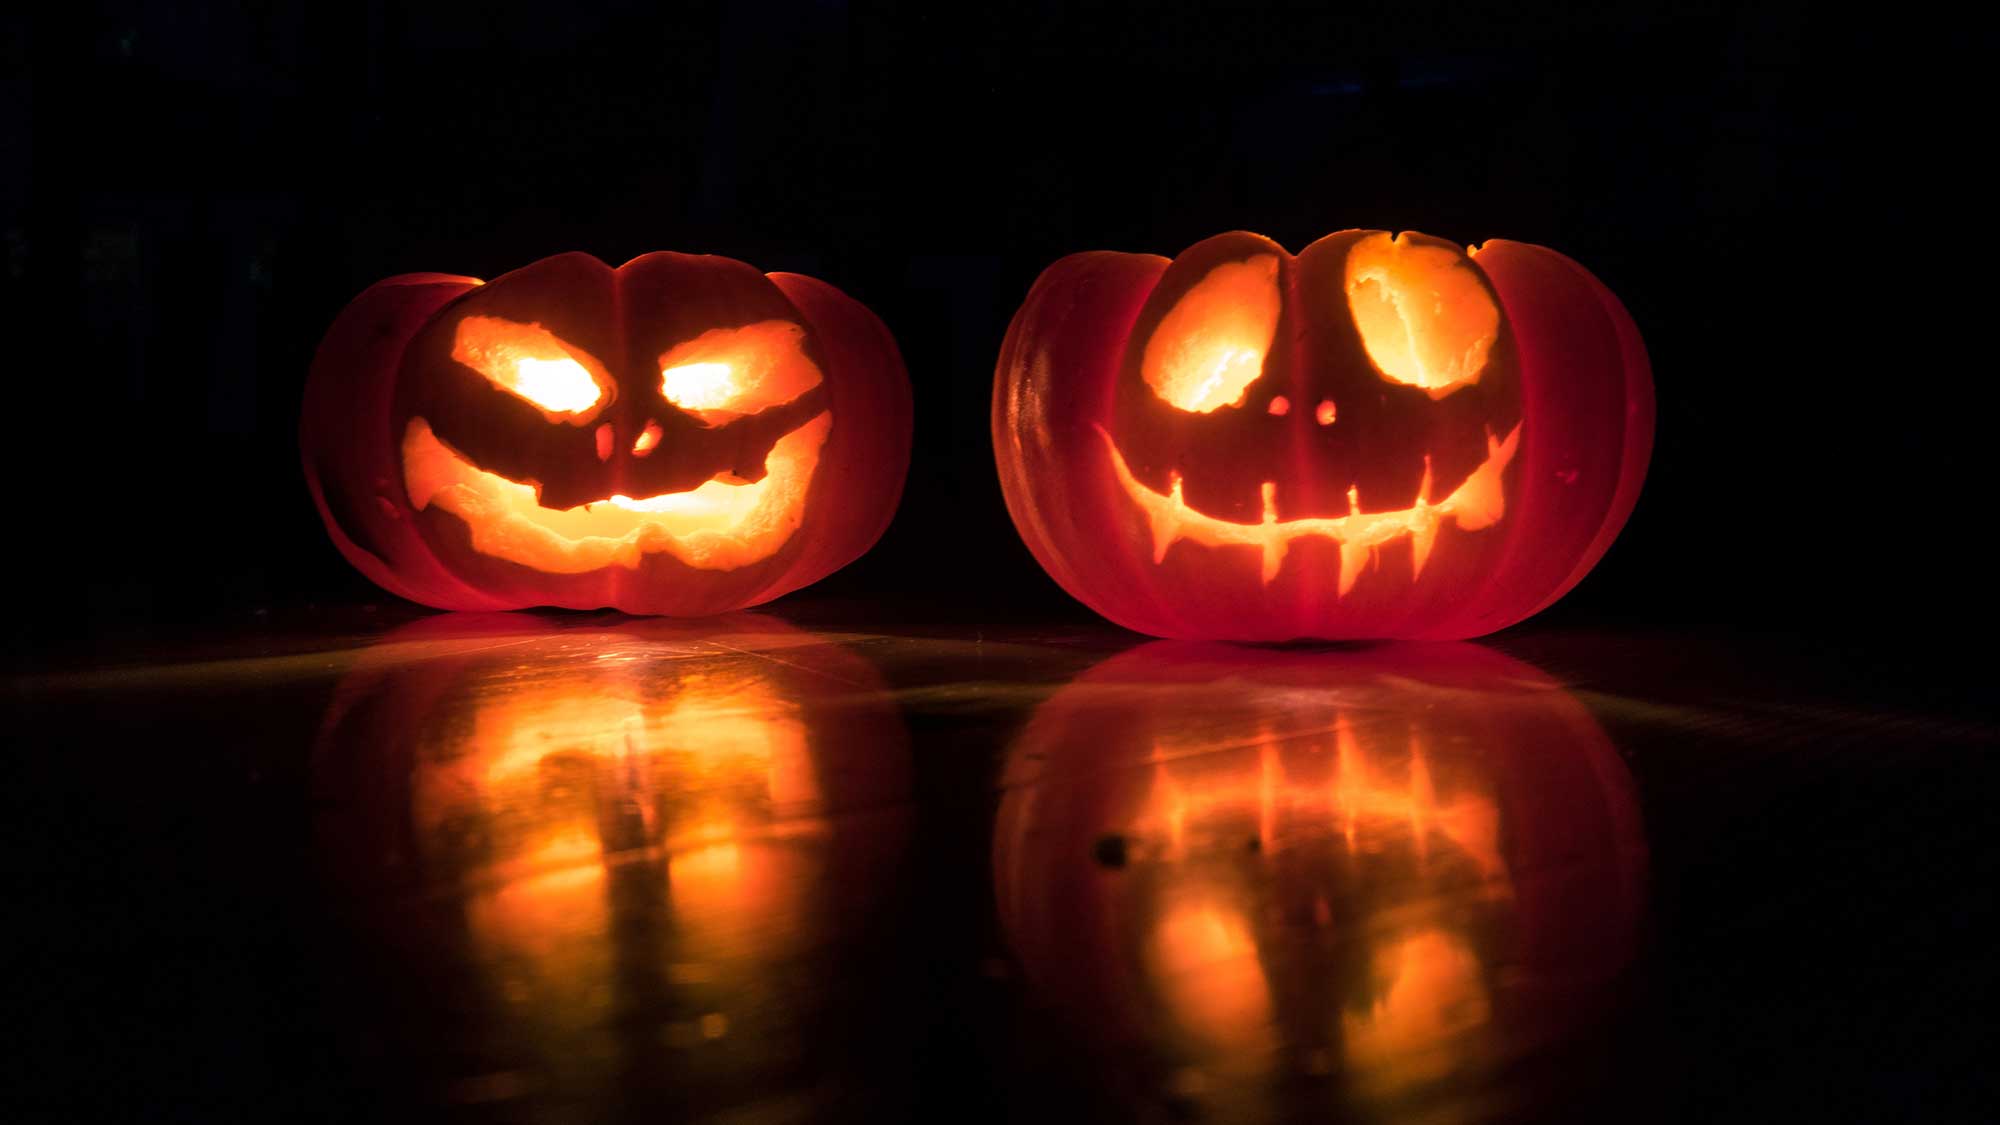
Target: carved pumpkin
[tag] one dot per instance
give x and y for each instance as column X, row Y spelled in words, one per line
column 680, row 435
column 1379, row 437
column 1383, row 870
column 585, row 839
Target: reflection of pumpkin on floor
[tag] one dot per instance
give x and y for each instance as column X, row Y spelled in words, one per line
column 1379, row 867
column 643, row 825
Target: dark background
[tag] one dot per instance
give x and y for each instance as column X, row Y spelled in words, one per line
column 1781, row 196
column 197, row 188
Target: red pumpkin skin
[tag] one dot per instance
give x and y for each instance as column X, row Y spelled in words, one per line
column 352, row 465
column 1566, row 366
column 387, row 361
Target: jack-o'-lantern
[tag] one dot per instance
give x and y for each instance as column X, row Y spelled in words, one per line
column 1382, row 872
column 1381, row 437
column 584, row 849
column 680, row 435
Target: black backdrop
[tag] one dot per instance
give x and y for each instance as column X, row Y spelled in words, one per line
column 195, row 189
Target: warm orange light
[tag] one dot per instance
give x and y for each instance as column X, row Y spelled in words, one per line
column 1325, row 414
column 538, row 933
column 1478, row 503
column 1311, row 782
column 1380, row 867
column 632, row 758
column 1359, row 792
column 699, row 386
column 647, row 441
column 1433, row 993
column 540, row 759
column 1424, row 316
column 725, row 373
column 1210, row 347
column 720, row 525
column 561, row 385
column 530, row 362
column 714, row 866
column 1205, row 962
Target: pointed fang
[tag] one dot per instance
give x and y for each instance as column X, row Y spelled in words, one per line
column 1422, row 539
column 1274, row 545
column 1166, row 522
column 1423, row 525
column 1353, row 556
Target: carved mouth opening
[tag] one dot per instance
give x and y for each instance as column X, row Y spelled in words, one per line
column 722, row 524
column 1478, row 503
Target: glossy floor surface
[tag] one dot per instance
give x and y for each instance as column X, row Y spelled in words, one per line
column 766, row 870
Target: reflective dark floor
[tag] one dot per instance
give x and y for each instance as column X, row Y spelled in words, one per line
column 768, row 870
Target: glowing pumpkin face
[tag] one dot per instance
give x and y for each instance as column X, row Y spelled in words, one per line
column 679, row 435
column 1379, row 437
column 1384, row 868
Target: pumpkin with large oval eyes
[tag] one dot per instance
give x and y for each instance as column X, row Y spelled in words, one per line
column 1381, row 436
column 679, row 435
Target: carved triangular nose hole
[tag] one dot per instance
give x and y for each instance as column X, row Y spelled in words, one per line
column 605, row 438
column 649, row 439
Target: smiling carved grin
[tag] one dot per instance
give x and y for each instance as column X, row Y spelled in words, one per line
column 1475, row 504
column 720, row 525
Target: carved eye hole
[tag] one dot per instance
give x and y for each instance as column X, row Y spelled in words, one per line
column 1211, row 345
column 1423, row 315
column 726, row 373
column 532, row 363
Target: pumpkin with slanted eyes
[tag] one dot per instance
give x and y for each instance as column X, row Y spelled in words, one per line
column 679, row 435
column 1379, row 437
